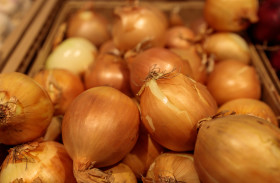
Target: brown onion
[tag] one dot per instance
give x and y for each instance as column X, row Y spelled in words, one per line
column 227, row 45
column 171, row 105
column 108, row 70
column 108, row 47
column 172, row 167
column 62, row 86
column 132, row 26
column 250, row 106
column 231, row 15
column 237, row 148
column 88, row 24
column 26, row 109
column 231, row 80
column 179, row 37
column 160, row 59
column 99, row 128
column 37, row 162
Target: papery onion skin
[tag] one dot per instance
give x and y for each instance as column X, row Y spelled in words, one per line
column 171, row 107
column 25, row 107
column 227, row 45
column 133, row 26
column 179, row 37
column 62, row 86
column 161, row 59
column 231, row 80
column 99, row 128
column 108, row 70
column 172, row 167
column 250, row 106
column 237, row 148
column 230, row 15
column 37, row 162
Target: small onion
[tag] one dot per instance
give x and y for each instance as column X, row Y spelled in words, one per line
column 157, row 58
column 237, row 148
column 26, row 109
column 108, row 70
column 232, row 79
column 250, row 106
column 88, row 24
column 172, row 167
column 99, row 128
column 37, row 162
column 179, row 37
column 171, row 105
column 73, row 54
column 62, row 86
column 227, row 45
column 132, row 26
column 230, row 15
column 108, row 47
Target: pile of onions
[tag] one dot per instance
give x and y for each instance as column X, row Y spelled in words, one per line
column 37, row 162
column 179, row 37
column 143, row 154
column 73, row 54
column 231, row 15
column 237, row 148
column 135, row 24
column 232, row 79
column 250, row 106
column 108, row 70
column 158, row 59
column 88, row 24
column 227, row 45
column 62, row 86
column 172, row 167
column 99, row 128
column 26, row 109
column 171, row 104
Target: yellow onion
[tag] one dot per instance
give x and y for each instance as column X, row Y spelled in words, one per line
column 227, row 45
column 231, row 15
column 62, row 86
column 99, row 128
column 231, row 79
column 237, row 148
column 171, row 105
column 26, row 109
column 179, row 37
column 37, row 162
column 172, row 167
column 108, row 47
column 143, row 154
column 250, row 106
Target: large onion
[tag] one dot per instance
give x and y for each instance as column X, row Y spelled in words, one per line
column 238, row 148
column 171, row 105
column 37, row 162
column 99, row 128
column 231, row 15
column 26, row 109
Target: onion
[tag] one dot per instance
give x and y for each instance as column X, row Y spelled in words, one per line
column 132, row 26
column 37, row 162
column 175, row 19
column 62, row 86
column 194, row 59
column 143, row 154
column 237, row 148
column 73, row 54
column 88, row 24
column 26, row 109
column 230, row 15
column 227, row 45
column 160, row 59
column 108, row 70
column 179, row 37
column 109, row 47
column 250, row 106
column 231, row 79
column 171, row 104
column 114, row 119
column 172, row 167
